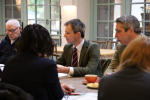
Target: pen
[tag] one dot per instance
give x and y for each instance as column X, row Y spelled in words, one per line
column 74, row 94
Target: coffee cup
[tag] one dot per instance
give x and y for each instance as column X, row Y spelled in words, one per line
column 91, row 78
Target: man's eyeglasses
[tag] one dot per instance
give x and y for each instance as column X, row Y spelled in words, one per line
column 11, row 30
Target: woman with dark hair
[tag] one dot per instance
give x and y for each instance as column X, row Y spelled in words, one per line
column 30, row 69
column 132, row 79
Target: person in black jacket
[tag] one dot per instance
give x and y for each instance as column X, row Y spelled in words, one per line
column 11, row 92
column 30, row 69
column 7, row 45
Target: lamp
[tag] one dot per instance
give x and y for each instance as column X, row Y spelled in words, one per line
column 68, row 12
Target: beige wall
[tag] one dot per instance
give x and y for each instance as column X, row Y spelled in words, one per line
column 81, row 10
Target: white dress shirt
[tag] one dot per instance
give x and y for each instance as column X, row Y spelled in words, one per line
column 12, row 41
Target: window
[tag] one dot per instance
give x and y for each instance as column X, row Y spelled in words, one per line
column 141, row 9
column 13, row 10
column 44, row 12
column 35, row 12
column 105, row 12
column 55, row 20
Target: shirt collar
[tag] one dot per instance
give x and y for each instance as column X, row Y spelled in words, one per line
column 79, row 47
column 15, row 39
column 12, row 41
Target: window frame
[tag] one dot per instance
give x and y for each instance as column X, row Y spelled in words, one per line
column 24, row 17
column 126, row 10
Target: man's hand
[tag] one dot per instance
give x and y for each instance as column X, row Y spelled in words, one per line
column 111, row 73
column 108, row 73
column 62, row 69
column 66, row 88
column 115, row 70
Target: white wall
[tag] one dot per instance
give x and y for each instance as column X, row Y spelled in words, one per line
column 83, row 13
column 68, row 13
column 81, row 10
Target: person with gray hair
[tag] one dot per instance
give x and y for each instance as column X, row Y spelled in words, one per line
column 7, row 45
column 80, row 56
column 127, row 29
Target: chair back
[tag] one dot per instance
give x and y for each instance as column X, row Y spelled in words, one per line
column 104, row 64
column 11, row 92
column 55, row 47
column 55, row 53
column 102, row 44
column 112, row 44
column 2, row 36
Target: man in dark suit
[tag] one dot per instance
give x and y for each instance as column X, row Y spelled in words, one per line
column 87, row 52
column 7, row 45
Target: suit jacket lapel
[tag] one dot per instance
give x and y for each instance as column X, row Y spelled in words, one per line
column 70, row 52
column 83, row 51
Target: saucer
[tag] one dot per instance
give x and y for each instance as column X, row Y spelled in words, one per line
column 84, row 82
column 93, row 85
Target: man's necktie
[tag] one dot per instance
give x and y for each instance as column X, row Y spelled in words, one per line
column 74, row 60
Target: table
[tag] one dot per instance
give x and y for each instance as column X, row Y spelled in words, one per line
column 76, row 82
column 105, row 53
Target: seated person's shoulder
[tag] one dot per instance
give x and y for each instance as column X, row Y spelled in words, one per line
column 92, row 44
column 5, row 40
column 120, row 47
column 68, row 45
column 110, row 76
column 47, row 61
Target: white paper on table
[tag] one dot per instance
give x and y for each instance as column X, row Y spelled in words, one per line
column 88, row 96
column 71, row 98
column 2, row 66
